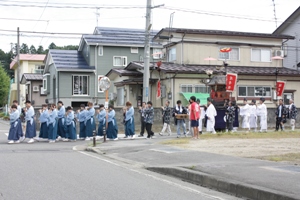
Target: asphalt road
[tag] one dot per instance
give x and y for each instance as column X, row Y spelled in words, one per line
column 63, row 171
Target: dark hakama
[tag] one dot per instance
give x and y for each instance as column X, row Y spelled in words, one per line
column 90, row 127
column 30, row 129
column 100, row 129
column 129, row 127
column 15, row 130
column 61, row 128
column 44, row 131
column 52, row 131
column 82, row 133
column 71, row 131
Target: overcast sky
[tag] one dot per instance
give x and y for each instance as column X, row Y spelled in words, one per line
column 235, row 15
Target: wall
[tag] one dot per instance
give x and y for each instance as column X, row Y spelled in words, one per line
column 39, row 100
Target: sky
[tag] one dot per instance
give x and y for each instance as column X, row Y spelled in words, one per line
column 78, row 17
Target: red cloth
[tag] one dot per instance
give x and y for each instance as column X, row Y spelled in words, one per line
column 280, row 88
column 194, row 107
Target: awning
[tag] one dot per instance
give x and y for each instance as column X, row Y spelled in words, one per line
column 201, row 96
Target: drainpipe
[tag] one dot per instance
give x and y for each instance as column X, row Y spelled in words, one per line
column 173, row 88
column 283, row 49
column 297, row 54
column 96, row 78
column 182, row 48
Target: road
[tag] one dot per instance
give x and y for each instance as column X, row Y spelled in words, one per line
column 64, row 171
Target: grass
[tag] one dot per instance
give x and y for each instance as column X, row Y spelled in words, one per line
column 289, row 157
column 2, row 114
column 176, row 141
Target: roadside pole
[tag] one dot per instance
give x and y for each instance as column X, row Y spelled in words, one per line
column 147, row 53
column 18, row 67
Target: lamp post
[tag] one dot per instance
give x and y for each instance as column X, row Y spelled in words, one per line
column 276, row 72
column 104, row 85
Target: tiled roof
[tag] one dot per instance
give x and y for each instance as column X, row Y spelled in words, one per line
column 29, row 57
column 200, row 69
column 222, row 32
column 69, row 60
column 124, row 72
column 31, row 77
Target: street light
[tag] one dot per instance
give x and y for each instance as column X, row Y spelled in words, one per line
column 104, row 85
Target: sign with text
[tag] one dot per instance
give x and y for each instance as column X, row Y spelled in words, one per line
column 230, row 82
column 158, row 90
column 280, row 88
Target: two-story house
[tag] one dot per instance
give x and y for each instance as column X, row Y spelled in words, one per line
column 107, row 48
column 31, row 76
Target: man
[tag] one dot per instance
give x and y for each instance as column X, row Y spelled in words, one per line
column 229, row 116
column 166, row 119
column 141, row 111
column 61, row 121
column 70, row 125
column 81, row 119
column 245, row 113
column 262, row 112
column 15, row 102
column 101, row 116
column 19, row 109
column 211, row 113
column 280, row 115
column 149, row 116
column 30, row 122
column 200, row 117
column 253, row 116
column 194, row 117
column 180, row 123
column 292, row 113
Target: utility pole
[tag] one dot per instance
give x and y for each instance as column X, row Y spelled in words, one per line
column 18, row 67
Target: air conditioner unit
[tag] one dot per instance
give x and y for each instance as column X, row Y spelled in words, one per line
column 35, row 88
column 279, row 53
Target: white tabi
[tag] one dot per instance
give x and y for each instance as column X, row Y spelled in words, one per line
column 253, row 117
column 262, row 113
column 245, row 113
column 211, row 113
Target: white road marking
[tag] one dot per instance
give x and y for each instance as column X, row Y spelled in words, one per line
column 153, row 177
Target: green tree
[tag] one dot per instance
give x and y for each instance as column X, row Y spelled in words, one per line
column 40, row 50
column 52, row 46
column 32, row 50
column 5, row 60
column 4, row 86
column 24, row 49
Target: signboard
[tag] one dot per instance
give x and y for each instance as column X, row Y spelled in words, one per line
column 158, row 90
column 280, row 88
column 230, row 82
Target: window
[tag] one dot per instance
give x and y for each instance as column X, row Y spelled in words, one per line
column 39, row 69
column 287, row 97
column 120, row 61
column 186, row 88
column 100, row 50
column 254, row 91
column 134, row 50
column 201, row 89
column 261, row 55
column 80, row 85
column 234, row 54
column 44, row 84
column 172, row 54
column 157, row 54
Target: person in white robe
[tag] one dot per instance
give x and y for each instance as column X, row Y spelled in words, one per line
column 211, row 113
column 262, row 113
column 245, row 113
column 202, row 115
column 253, row 116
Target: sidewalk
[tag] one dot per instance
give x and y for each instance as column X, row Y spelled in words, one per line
column 250, row 178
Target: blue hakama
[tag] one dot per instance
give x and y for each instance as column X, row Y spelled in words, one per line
column 44, row 131
column 90, row 127
column 15, row 130
column 111, row 131
column 61, row 128
column 30, row 129
column 82, row 133
column 100, row 128
column 52, row 131
column 129, row 127
column 71, row 131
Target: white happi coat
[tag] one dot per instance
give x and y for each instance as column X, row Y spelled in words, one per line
column 262, row 113
column 245, row 113
column 211, row 113
column 253, row 117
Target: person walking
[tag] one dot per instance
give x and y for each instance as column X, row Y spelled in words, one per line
column 280, row 115
column 292, row 114
column 70, row 125
column 101, row 116
column 180, row 122
column 15, row 130
column 262, row 112
column 30, row 122
column 253, row 115
column 129, row 121
column 194, row 117
column 229, row 116
column 143, row 124
column 166, row 115
column 149, row 116
column 245, row 113
column 81, row 116
column 90, row 124
column 112, row 129
column 53, row 122
column 22, row 118
column 211, row 113
column 44, row 121
column 61, row 134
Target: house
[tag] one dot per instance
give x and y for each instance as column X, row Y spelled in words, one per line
column 29, row 64
column 190, row 52
column 107, row 48
column 290, row 48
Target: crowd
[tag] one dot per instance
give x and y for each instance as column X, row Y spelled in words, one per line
column 58, row 123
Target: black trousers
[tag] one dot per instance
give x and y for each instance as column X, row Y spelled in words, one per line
column 278, row 123
column 148, row 129
column 143, row 126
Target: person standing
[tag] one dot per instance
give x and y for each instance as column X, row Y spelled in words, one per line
column 90, row 124
column 180, row 123
column 253, row 115
column 129, row 121
column 211, row 113
column 70, row 125
column 52, row 127
column 81, row 115
column 21, row 111
column 112, row 129
column 245, row 113
column 141, row 111
column 149, row 116
column 61, row 134
column 194, row 117
column 44, row 120
column 15, row 130
column 292, row 114
column 229, row 116
column 262, row 112
column 101, row 116
column 200, row 117
column 166, row 119
column 30, row 122
column 280, row 115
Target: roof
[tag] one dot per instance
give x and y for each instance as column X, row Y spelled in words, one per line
column 124, row 72
column 167, row 67
column 69, row 60
column 28, row 57
column 31, row 77
column 122, row 31
column 288, row 21
column 133, row 81
column 221, row 32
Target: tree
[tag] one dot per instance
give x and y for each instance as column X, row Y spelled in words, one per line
column 4, row 89
column 52, row 46
column 24, row 49
column 32, row 50
column 40, row 50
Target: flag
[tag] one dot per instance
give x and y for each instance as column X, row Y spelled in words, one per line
column 158, row 90
column 280, row 88
column 230, row 82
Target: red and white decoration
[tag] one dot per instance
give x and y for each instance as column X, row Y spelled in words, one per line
column 158, row 90
column 280, row 88
column 230, row 82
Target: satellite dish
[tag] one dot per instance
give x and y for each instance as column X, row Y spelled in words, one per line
column 104, row 83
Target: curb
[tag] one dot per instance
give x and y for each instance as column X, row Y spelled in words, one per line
column 236, row 188
column 94, row 150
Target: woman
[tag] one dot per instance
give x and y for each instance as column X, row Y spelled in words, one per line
column 30, row 122
column 101, row 119
column 70, row 125
column 53, row 124
column 112, row 129
column 81, row 118
column 129, row 121
column 15, row 130
column 90, row 125
column 44, row 120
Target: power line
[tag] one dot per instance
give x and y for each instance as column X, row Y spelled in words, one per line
column 41, row 15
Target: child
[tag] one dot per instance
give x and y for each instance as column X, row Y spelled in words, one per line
column 15, row 130
column 81, row 118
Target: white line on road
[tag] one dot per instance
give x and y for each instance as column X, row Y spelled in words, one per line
column 154, row 177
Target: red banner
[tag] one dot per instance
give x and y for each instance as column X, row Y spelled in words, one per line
column 280, row 88
column 158, row 90
column 230, row 82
